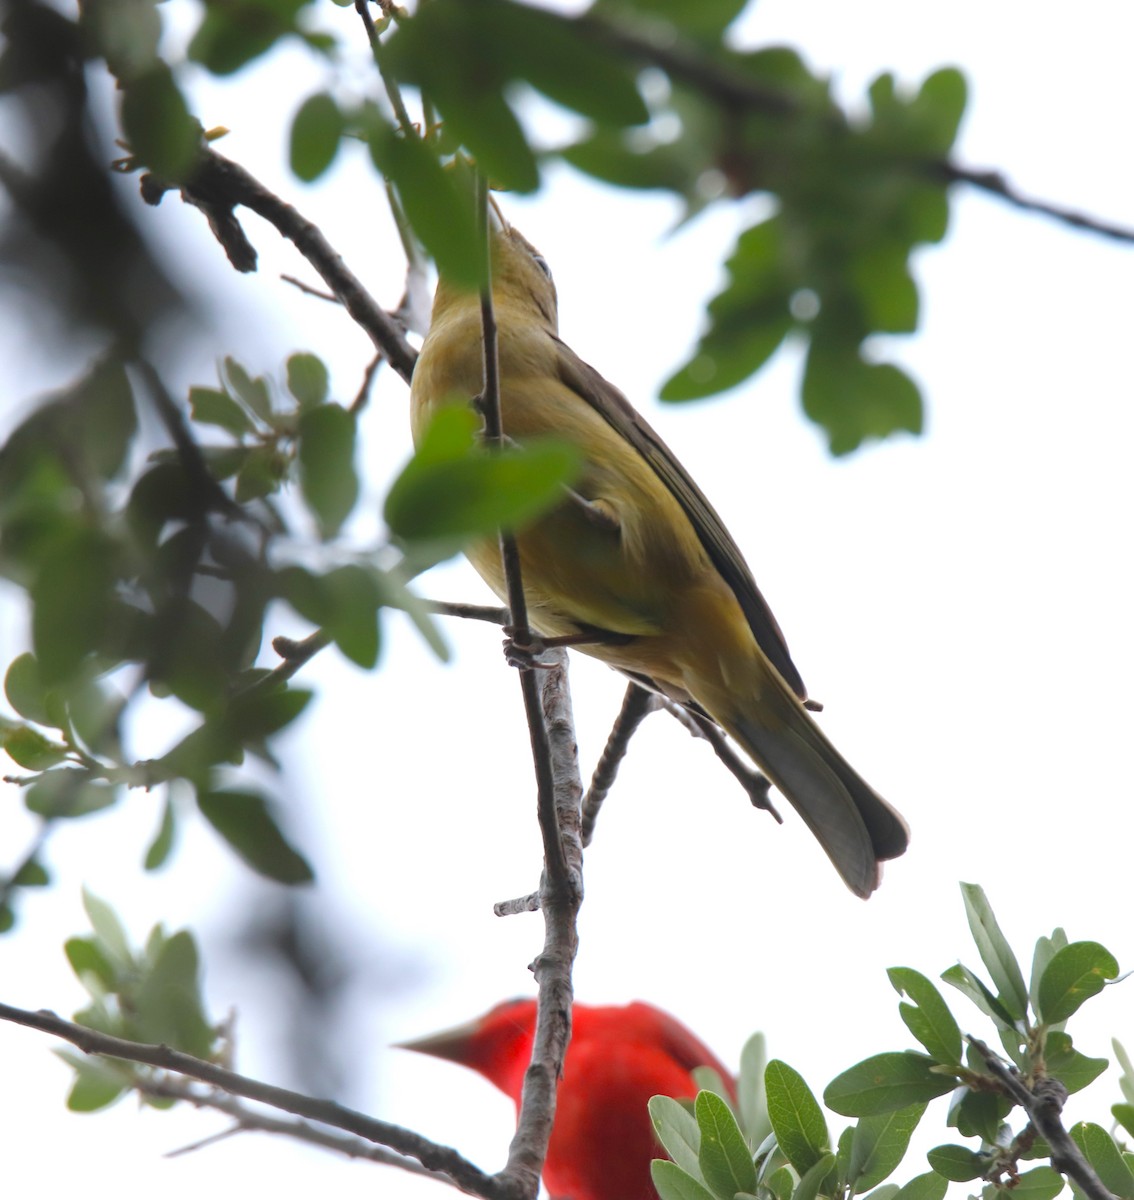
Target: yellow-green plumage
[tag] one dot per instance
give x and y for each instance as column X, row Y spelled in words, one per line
column 651, row 562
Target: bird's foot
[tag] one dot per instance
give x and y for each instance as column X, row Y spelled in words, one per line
column 522, row 649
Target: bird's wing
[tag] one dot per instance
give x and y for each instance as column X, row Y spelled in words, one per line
column 613, row 406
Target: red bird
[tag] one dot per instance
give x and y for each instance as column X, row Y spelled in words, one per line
column 618, row 1057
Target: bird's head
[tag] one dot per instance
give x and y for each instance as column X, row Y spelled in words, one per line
column 498, row 1044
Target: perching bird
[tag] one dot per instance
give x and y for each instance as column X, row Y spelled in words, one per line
column 636, row 559
column 603, row 1140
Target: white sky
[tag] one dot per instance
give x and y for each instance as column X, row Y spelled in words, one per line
column 959, row 602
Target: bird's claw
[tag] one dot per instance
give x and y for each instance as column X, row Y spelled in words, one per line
column 524, row 655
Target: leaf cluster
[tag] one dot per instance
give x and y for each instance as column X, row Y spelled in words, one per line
column 715, row 1156
column 151, row 994
column 663, row 101
column 152, row 576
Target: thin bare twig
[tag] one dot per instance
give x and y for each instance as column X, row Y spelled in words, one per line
column 560, row 898
column 558, row 791
column 430, row 1154
column 754, row 782
column 219, row 185
column 363, row 397
column 248, row 1120
column 1043, row 1102
column 308, row 290
column 472, row 612
column 295, row 655
column 996, row 184
column 736, row 92
column 393, row 91
column 637, row 704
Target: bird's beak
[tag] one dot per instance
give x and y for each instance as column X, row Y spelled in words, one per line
column 451, row 1044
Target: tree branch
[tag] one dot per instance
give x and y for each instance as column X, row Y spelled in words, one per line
column 558, row 791
column 219, row 185
column 995, row 184
column 435, row 1157
column 471, row 612
column 754, row 782
column 1044, row 1105
column 248, row 1120
column 559, row 899
column 736, row 92
column 637, row 704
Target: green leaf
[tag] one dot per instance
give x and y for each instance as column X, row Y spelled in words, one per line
column 725, row 1160
column 97, row 1085
column 854, row 400
column 749, row 319
column 256, row 716
column 252, row 391
column 210, row 406
column 941, row 105
column 396, row 594
column 326, row 465
column 979, row 1114
column 161, row 131
column 815, row 1180
column 454, row 54
column 750, row 1089
column 32, row 873
column 232, row 34
column 167, row 1006
column 956, row 1163
column 1072, row 1069
column 704, row 21
column 23, row 685
column 91, row 964
column 678, row 1133
column 307, row 380
column 1126, row 1081
column 928, row 1018
column 797, row 1120
column 440, row 211
column 101, row 418
column 261, row 474
column 1124, row 1115
column 781, row 1183
column 1040, row 1183
column 72, row 596
column 354, row 596
column 316, row 131
column 126, row 34
column 31, row 750
column 960, row 977
column 1044, row 952
column 880, row 275
column 1103, row 1154
column 1075, row 974
column 673, row 1183
column 995, row 952
column 477, row 494
column 577, row 71
column 63, row 793
column 159, row 849
column 879, row 1145
column 930, row 1186
column 95, row 714
column 244, row 820
column 884, row 1083
column 108, row 929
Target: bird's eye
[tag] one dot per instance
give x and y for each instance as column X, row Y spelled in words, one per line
column 541, row 262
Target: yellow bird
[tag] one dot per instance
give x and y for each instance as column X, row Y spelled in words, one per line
column 636, row 558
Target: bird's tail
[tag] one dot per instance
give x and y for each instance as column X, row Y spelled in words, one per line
column 855, row 826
